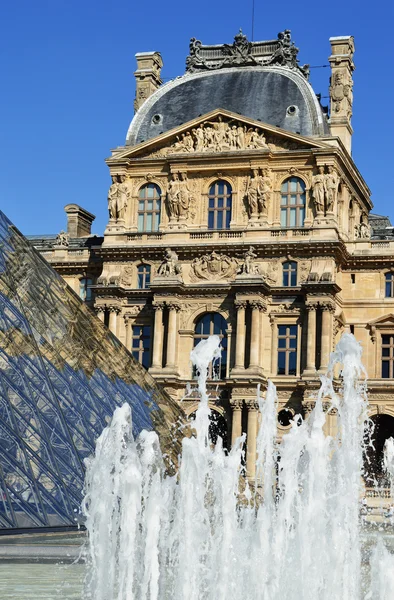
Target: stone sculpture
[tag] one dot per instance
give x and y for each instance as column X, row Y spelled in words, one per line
column 118, row 198
column 213, row 266
column 170, row 266
column 178, row 197
column 319, row 190
column 362, row 231
column 62, row 239
column 331, row 185
column 325, row 190
column 258, row 193
column 249, row 266
column 220, row 136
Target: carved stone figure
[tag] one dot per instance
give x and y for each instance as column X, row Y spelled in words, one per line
column 126, row 277
column 258, row 193
column 331, row 186
column 362, row 231
column 341, row 94
column 112, row 198
column 252, row 193
column 184, row 196
column 244, row 53
column 118, row 197
column 62, row 239
column 256, row 139
column 213, row 266
column 249, row 267
column 173, row 199
column 170, row 266
column 220, row 136
column 319, row 190
column 265, row 192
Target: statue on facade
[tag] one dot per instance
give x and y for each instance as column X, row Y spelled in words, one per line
column 112, row 198
column 331, row 187
column 362, row 231
column 252, row 193
column 319, row 190
column 265, row 192
column 249, row 267
column 170, row 266
column 62, row 239
column 118, row 197
column 184, row 196
column 173, row 197
column 256, row 139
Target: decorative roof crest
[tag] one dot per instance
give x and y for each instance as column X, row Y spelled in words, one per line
column 281, row 51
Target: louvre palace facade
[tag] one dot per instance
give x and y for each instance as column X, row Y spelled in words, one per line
column 236, row 209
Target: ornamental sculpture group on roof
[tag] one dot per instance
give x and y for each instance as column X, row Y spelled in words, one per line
column 242, row 53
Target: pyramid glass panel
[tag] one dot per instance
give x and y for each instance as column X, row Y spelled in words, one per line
column 62, row 374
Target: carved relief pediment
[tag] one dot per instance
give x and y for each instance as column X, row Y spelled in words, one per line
column 217, row 132
column 213, row 267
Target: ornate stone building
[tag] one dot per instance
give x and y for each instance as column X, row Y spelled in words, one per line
column 236, row 208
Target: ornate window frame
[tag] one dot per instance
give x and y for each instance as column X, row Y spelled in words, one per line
column 155, row 212
column 215, row 210
column 289, row 206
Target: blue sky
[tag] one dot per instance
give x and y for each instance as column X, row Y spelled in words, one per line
column 68, row 87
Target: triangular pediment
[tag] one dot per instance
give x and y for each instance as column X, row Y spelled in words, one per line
column 219, row 131
column 386, row 320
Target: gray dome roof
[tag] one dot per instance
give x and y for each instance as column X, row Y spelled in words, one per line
column 261, row 93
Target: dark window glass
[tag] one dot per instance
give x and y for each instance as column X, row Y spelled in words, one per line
column 290, row 274
column 85, row 293
column 149, row 207
column 143, row 278
column 213, row 324
column 287, row 349
column 389, row 285
column 292, row 205
column 141, row 344
column 388, row 356
column 219, row 205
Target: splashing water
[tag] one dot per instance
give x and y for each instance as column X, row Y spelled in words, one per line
column 205, row 534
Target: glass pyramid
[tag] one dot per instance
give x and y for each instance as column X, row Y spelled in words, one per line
column 62, row 374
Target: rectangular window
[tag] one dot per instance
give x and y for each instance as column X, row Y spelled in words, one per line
column 388, row 356
column 141, row 341
column 287, row 349
column 353, row 277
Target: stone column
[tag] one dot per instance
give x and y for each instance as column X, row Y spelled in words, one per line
column 257, row 306
column 251, row 439
column 127, row 324
column 172, row 334
column 100, row 312
column 274, row 346
column 158, row 336
column 240, row 335
column 326, row 334
column 236, row 429
column 311, row 345
column 113, row 318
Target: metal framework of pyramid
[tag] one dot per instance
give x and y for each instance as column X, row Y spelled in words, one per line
column 62, row 374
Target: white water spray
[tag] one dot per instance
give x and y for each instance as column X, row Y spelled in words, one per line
column 198, row 536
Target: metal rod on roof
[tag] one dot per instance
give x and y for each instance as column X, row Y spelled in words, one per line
column 252, row 20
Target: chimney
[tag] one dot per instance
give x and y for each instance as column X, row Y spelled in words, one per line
column 147, row 75
column 341, row 88
column 79, row 221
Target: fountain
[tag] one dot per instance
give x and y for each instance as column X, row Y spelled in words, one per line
column 205, row 533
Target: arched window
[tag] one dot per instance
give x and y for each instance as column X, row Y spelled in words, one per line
column 389, row 288
column 85, row 293
column 292, row 204
column 213, row 324
column 290, row 274
column 219, row 205
column 149, row 206
column 143, row 277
